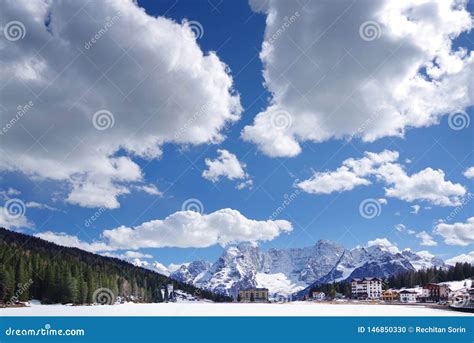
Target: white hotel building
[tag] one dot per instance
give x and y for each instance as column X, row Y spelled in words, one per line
column 367, row 288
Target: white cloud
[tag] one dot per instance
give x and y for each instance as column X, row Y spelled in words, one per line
column 226, row 165
column 245, row 184
column 457, row 233
column 335, row 84
column 71, row 241
column 385, row 243
column 34, row 204
column 8, row 221
column 469, row 173
column 426, row 239
column 427, row 185
column 469, row 257
column 149, row 189
column 128, row 255
column 352, row 173
column 155, row 81
column 425, row 254
column 327, row 182
column 403, row 228
column 186, row 229
column 416, row 209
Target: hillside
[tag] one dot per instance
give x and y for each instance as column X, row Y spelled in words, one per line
column 31, row 268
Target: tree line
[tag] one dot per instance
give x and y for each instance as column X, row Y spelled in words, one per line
column 31, row 268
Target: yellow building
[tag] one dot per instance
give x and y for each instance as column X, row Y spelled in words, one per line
column 390, row 295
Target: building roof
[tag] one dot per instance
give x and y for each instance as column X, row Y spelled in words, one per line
column 254, row 289
column 407, row 292
column 367, row 279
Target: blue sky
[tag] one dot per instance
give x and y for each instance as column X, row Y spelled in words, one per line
column 236, row 32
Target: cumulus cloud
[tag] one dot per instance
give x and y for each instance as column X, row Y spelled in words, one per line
column 327, row 182
column 385, row 243
column 72, row 241
column 427, row 185
column 186, row 229
column 329, row 78
column 9, row 221
column 93, row 80
column 469, row 173
column 225, row 165
column 469, row 257
column 352, row 173
column 426, row 239
column 457, row 233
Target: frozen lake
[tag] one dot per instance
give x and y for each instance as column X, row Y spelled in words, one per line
column 229, row 309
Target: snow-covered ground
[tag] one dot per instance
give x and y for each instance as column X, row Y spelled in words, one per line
column 229, row 309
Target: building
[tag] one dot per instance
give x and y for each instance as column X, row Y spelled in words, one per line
column 437, row 292
column 253, row 295
column 366, row 288
column 423, row 295
column 390, row 295
column 319, row 295
column 444, row 292
column 407, row 296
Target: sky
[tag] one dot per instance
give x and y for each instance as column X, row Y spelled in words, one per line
column 166, row 130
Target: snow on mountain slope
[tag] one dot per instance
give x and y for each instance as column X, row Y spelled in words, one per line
column 278, row 284
column 286, row 271
column 422, row 259
column 190, row 271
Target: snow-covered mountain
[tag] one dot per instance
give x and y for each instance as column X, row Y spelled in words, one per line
column 286, row 271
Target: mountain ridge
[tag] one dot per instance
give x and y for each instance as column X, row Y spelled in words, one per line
column 289, row 271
